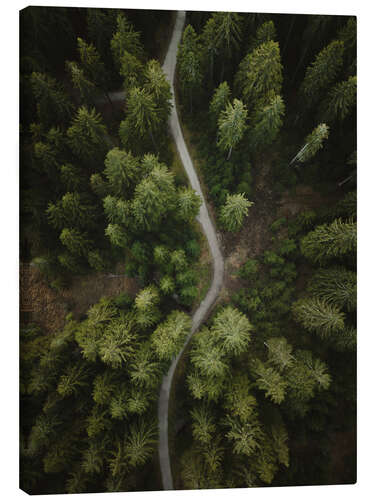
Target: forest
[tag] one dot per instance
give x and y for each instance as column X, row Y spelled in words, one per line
column 264, row 393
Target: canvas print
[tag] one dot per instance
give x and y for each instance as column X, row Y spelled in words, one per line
column 187, row 250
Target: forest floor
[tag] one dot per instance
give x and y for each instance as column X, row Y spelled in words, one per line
column 50, row 307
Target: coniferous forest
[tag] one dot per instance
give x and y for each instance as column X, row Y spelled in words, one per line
column 117, row 264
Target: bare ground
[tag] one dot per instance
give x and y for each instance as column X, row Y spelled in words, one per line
column 49, row 306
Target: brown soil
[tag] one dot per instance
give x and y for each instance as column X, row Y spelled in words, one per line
column 255, row 236
column 49, row 307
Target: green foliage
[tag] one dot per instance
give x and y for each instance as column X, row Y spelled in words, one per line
column 268, row 121
column 75, row 241
column 139, row 444
column 260, row 72
column 203, row 424
column 232, row 330
column 232, row 125
column 341, row 99
column 87, row 134
column 121, row 171
column 220, row 100
column 323, row 70
column 319, row 316
column 336, row 286
column 117, row 344
column 246, row 436
column 279, row 353
column 146, row 301
column 188, row 203
column 270, row 381
column 248, row 269
column 125, row 39
column 169, row 336
column 234, row 211
column 313, row 143
column 330, row 240
column 265, row 33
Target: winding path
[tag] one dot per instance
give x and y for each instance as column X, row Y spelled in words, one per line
column 217, row 258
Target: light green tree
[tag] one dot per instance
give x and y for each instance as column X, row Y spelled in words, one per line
column 139, row 443
column 170, row 335
column 234, row 211
column 260, row 72
column 125, row 39
column 121, row 170
column 270, row 381
column 267, row 123
column 232, row 125
column 232, row 330
column 318, row 316
column 189, row 63
column 313, row 143
column 75, row 241
column 219, row 100
column 330, row 240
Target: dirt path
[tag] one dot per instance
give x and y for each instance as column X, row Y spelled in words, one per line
column 217, row 258
column 210, row 233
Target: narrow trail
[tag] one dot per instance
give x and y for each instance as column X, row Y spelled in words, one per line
column 209, row 231
column 217, row 258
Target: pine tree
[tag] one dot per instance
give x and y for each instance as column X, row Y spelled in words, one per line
column 203, row 425
column 144, row 369
column 118, row 343
column 238, row 399
column 157, row 85
column 86, row 88
column 75, row 241
column 92, row 65
column 330, row 240
column 336, row 286
column 232, row 125
column 87, row 135
column 246, row 436
column 170, row 335
column 121, row 171
column 265, row 33
column 234, row 211
column 189, row 63
column 207, row 356
column 53, row 106
column 313, row 143
column 270, row 381
column 232, row 330
column 209, row 47
column 219, row 100
column 260, row 72
column 73, row 379
column 116, row 235
column 318, row 316
column 340, row 101
column 228, row 31
column 279, row 352
column 268, row 121
column 131, row 70
column 322, row 71
column 139, row 443
column 125, row 39
column 146, row 302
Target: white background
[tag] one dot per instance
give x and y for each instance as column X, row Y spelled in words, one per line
column 9, row 242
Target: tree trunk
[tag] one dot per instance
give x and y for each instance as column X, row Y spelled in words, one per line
column 109, row 99
column 230, row 152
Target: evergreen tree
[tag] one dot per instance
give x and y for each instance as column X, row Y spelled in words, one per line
column 53, row 106
column 279, row 352
column 86, row 88
column 131, row 70
column 87, row 135
column 125, row 39
column 121, row 171
column 260, row 72
column 169, row 336
column 330, row 240
column 75, row 241
column 313, row 143
column 265, row 33
column 139, row 443
column 189, row 63
column 188, row 204
column 336, row 286
column 232, row 125
column 268, row 121
column 340, row 101
column 234, row 211
column 322, row 71
column 317, row 315
column 157, row 85
column 228, row 32
column 270, row 381
column 116, row 235
column 232, row 330
column 220, row 100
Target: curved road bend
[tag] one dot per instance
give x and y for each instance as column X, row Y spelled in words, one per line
column 217, row 258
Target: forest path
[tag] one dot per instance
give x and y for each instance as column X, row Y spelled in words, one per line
column 217, row 258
